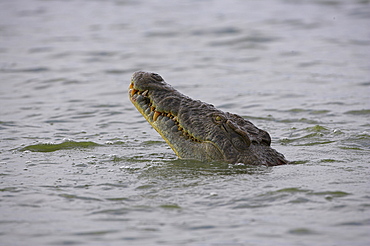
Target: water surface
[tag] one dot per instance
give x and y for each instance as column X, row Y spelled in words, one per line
column 80, row 166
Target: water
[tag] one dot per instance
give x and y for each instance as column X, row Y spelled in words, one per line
column 80, row 166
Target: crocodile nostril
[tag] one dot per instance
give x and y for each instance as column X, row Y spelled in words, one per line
column 157, row 77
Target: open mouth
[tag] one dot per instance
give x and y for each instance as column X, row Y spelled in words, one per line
column 144, row 103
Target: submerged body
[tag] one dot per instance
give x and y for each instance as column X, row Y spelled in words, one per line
column 198, row 130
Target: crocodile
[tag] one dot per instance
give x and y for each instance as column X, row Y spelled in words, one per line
column 198, row 130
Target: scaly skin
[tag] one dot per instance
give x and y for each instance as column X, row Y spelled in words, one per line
column 197, row 130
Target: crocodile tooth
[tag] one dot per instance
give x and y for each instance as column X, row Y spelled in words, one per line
column 145, row 93
column 133, row 91
column 155, row 116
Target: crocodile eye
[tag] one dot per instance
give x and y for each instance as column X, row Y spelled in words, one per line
column 218, row 119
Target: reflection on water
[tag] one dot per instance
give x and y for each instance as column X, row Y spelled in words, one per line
column 79, row 165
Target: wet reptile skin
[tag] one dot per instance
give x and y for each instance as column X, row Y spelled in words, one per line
column 198, row 130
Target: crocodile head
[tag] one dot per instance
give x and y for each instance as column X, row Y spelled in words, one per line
column 198, row 130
